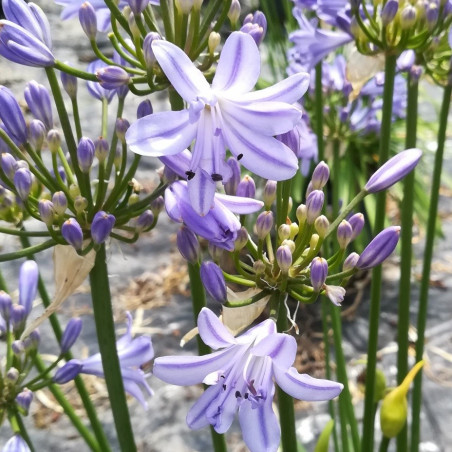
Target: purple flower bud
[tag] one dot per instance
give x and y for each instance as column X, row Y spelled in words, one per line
column 301, row 214
column 23, row 401
column 144, row 109
column 20, row 46
column 9, row 165
column 157, row 205
column 416, row 72
column 319, row 272
column 70, row 334
column 321, row 225
column 255, row 25
column 68, row 372
column 284, row 258
column 213, row 280
column 242, row 239
column 264, row 224
column 102, row 226
column 389, row 12
column 144, row 221
column 284, row 232
column 36, row 134
column 54, row 140
column 406, row 60
column 112, row 77
column 101, row 149
column 408, row 17
column 215, row 251
column 23, row 181
column 6, row 305
column 69, row 82
column 59, row 202
column 350, row 262
column 357, row 223
column 314, row 205
column 80, row 204
column 28, row 284
column 46, row 211
column 94, row 88
column 320, row 176
column 11, row 113
column 344, row 234
column 148, row 53
column 246, row 187
column 85, row 154
column 230, row 187
column 379, row 248
column 269, row 193
column 393, row 170
column 234, row 11
column 32, row 341
column 188, row 245
column 38, row 100
column 72, row 233
column 432, row 15
column 18, row 317
column 12, row 375
column 137, row 6
column 121, row 128
column 88, row 20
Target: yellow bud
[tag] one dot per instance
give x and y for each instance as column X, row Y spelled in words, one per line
column 314, row 240
column 293, row 230
column 214, row 42
column 394, row 408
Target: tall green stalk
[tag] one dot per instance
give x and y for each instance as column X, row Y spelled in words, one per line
column 406, row 251
column 105, row 328
column 428, row 255
column 367, row 441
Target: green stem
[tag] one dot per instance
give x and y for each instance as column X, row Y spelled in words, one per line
column 23, row 233
column 406, row 251
column 27, row 251
column 76, row 113
column 374, row 315
column 285, row 401
column 73, row 71
column 105, row 328
column 384, row 445
column 22, row 429
column 167, row 22
column 428, row 255
column 198, row 297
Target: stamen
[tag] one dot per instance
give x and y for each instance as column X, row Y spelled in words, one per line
column 217, row 177
column 190, row 174
column 237, row 394
column 224, row 387
column 239, row 157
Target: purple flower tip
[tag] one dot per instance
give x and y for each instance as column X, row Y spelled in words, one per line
column 102, row 226
column 213, row 280
column 72, row 233
column 70, row 334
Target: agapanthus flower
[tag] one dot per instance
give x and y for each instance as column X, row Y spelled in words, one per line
column 132, row 354
column 95, row 88
column 222, row 115
column 241, row 376
column 16, row 444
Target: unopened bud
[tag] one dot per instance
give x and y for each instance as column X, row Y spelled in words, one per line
column 144, row 221
column 321, row 225
column 102, row 226
column 188, row 245
column 101, row 149
column 319, row 272
column 314, row 205
column 122, row 125
column 70, row 334
column 72, row 233
column 344, row 234
column 85, row 154
column 88, row 20
column 213, row 281
column 284, row 258
column 36, row 134
column 54, row 140
column 269, row 193
column 320, row 176
column 350, row 262
column 259, row 267
column 213, row 42
column 144, row 109
column 234, row 12
column 284, row 232
column 59, row 201
column 69, row 82
column 23, row 180
column 264, row 224
column 241, row 240
column 80, row 204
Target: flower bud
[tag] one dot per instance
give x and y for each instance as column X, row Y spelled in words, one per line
column 102, row 226
column 157, row 205
column 69, row 82
column 112, row 77
column 88, row 20
column 36, row 134
column 118, row 158
column 68, row 372
column 357, row 223
column 350, row 262
column 144, row 109
column 264, row 224
column 246, row 187
column 12, row 375
column 301, row 214
column 293, row 230
column 70, row 334
column 255, row 25
column 241, row 240
column 290, row 244
column 394, row 407
column 9, row 165
column 74, row 190
column 269, row 193
column 213, row 280
column 230, row 187
column 23, row 401
column 101, row 149
column 148, row 53
column 215, row 252
column 314, row 205
column 46, row 211
column 18, row 317
column 122, row 126
column 144, row 221
column 38, row 100
column 379, row 248
column 336, row 294
column 6, row 305
column 309, row 189
column 184, row 6
column 11, row 114
column 284, row 258
column 313, row 241
column 432, row 15
column 320, row 176
column 85, row 154
column 59, row 202
column 54, row 140
column 80, row 204
column 23, row 181
column 319, row 272
column 234, row 12
column 197, row 4
column 188, row 245
column 259, row 267
column 389, row 12
column 284, row 232
column 213, row 42
column 344, row 234
column 321, row 225
column 408, row 17
column 138, row 6
column 32, row 341
column 72, row 233
column 393, row 170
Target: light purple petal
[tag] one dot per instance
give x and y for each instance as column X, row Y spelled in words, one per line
column 212, row 331
column 134, row 390
column 258, row 332
column 281, row 348
column 172, row 206
column 239, row 204
column 126, row 339
column 179, row 163
column 165, row 133
column 196, row 417
column 264, row 156
column 138, row 352
column 28, row 284
column 305, row 387
column 239, row 66
column 201, row 190
column 266, row 118
column 190, row 370
column 188, row 81
column 289, row 90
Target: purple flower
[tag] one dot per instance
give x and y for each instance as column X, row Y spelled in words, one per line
column 132, row 354
column 16, row 444
column 223, row 115
column 94, row 88
column 12, row 116
column 38, row 100
column 256, row 26
column 213, row 281
column 188, row 244
column 102, row 226
column 70, row 334
column 72, row 233
column 241, row 377
column 28, row 284
column 219, row 225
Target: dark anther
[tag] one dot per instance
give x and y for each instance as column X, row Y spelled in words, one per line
column 217, row 177
column 224, row 387
column 239, row 157
column 246, row 395
column 190, row 174
column 237, row 394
